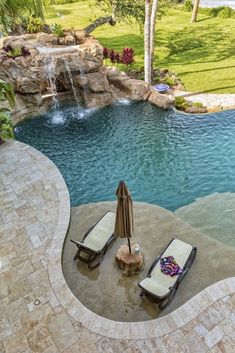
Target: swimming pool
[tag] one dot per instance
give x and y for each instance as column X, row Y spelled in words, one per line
column 166, row 158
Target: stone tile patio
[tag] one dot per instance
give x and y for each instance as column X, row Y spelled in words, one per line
column 38, row 313
column 214, row 102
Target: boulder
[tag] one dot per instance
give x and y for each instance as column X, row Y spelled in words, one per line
column 161, row 100
column 137, row 90
column 97, row 81
column 67, row 40
column 26, row 105
column 97, row 100
column 27, row 85
column 80, row 36
column 134, row 89
column 196, row 110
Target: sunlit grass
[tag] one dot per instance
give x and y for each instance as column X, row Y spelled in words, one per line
column 203, row 54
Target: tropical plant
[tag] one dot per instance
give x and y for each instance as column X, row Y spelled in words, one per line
column 188, row 5
column 57, row 30
column 35, row 25
column 12, row 53
column 181, row 103
column 7, row 93
column 127, row 56
column 12, row 12
column 225, row 12
column 6, row 125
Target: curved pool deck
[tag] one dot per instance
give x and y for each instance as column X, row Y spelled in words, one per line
column 38, row 312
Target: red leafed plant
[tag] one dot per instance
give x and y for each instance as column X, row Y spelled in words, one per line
column 105, row 53
column 112, row 56
column 128, row 56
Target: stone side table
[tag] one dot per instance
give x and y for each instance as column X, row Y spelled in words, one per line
column 130, row 264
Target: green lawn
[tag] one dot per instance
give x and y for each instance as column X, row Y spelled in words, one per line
column 203, row 54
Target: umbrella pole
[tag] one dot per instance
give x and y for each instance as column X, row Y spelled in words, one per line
column 129, row 244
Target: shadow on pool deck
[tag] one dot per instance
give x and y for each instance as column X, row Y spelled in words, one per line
column 110, row 294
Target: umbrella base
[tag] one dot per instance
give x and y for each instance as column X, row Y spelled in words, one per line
column 130, row 264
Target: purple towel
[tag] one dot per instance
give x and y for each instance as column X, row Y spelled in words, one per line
column 169, row 266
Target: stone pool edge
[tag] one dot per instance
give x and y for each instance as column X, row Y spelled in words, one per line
column 109, row 328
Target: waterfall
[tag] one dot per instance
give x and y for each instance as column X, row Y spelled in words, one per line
column 66, row 64
column 50, row 66
column 50, row 71
column 82, row 74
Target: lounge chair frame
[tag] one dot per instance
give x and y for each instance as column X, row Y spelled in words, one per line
column 93, row 258
column 165, row 301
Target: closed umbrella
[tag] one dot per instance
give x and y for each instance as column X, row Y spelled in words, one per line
column 124, row 224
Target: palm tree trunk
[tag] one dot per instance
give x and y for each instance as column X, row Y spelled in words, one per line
column 147, row 57
column 195, row 10
column 114, row 7
column 152, row 34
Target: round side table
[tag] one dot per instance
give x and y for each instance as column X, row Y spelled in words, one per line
column 130, row 264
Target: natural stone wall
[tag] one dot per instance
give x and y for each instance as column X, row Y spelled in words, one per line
column 95, row 84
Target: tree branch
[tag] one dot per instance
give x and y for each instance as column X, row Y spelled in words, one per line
column 100, row 21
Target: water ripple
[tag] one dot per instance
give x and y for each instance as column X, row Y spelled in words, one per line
column 166, row 158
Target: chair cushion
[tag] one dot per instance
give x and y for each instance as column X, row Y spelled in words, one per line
column 100, row 234
column 159, row 283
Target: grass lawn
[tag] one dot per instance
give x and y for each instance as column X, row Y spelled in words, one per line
column 203, row 54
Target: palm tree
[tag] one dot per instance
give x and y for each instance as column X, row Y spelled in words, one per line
column 195, row 10
column 149, row 38
column 12, row 11
column 147, row 56
column 152, row 32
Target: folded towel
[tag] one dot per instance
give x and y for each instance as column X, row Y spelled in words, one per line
column 169, row 266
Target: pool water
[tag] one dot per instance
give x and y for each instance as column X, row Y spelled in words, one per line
column 166, row 158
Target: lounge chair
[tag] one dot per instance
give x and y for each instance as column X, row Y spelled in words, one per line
column 159, row 287
column 96, row 241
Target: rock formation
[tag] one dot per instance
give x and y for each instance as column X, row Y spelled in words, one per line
column 48, row 55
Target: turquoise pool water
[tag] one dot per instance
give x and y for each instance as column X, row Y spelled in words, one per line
column 166, row 158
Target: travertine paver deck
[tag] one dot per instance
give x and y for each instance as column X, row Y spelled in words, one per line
column 38, row 313
column 214, row 102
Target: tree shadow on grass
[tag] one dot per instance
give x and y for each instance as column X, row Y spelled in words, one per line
column 207, row 91
column 205, row 19
column 198, row 45
column 206, row 70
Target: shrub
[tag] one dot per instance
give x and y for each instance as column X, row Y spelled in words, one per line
column 34, row 25
column 57, row 30
column 15, row 52
column 188, row 6
column 226, row 12
column 198, row 104
column 220, row 11
column 6, row 125
column 169, row 81
column 181, row 103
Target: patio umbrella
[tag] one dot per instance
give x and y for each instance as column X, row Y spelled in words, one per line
column 124, row 224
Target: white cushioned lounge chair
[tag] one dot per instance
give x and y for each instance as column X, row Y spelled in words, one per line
column 96, row 241
column 161, row 288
